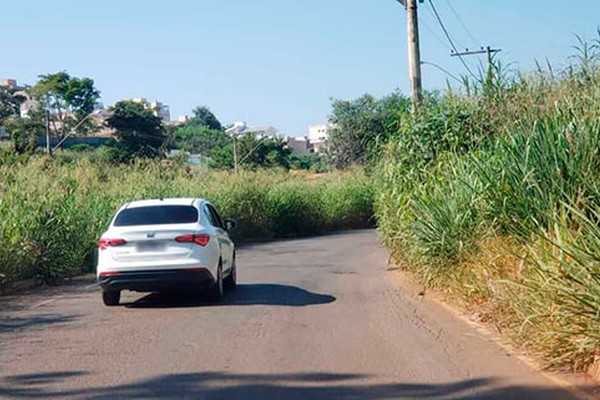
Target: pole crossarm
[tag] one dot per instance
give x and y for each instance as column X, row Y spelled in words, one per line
column 488, row 51
column 474, row 52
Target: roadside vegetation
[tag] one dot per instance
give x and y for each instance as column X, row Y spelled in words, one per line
column 489, row 192
column 493, row 196
column 51, row 214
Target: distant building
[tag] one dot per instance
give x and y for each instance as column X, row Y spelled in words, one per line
column 11, row 84
column 157, row 108
column 317, row 136
column 241, row 128
column 298, row 145
column 21, row 90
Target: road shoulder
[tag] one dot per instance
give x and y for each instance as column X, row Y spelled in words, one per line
column 580, row 385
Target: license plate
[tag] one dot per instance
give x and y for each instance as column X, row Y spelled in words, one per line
column 150, row 246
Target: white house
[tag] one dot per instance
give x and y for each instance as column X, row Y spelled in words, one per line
column 318, row 135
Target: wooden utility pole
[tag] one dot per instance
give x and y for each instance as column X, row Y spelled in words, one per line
column 47, row 123
column 414, row 52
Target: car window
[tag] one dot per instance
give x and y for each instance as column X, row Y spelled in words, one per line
column 218, row 222
column 157, row 215
column 210, row 216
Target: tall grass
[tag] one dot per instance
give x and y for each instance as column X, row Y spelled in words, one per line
column 51, row 214
column 494, row 197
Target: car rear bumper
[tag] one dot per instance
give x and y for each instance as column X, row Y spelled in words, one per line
column 156, row 281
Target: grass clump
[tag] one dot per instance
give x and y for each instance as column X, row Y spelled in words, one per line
column 51, row 213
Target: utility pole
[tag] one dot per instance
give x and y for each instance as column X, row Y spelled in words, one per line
column 488, row 51
column 235, row 163
column 414, row 52
column 47, row 123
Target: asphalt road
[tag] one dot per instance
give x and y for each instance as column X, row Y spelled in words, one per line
column 312, row 319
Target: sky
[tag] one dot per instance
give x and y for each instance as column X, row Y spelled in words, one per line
column 273, row 62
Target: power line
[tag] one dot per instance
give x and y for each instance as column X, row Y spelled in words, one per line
column 430, row 30
column 475, row 41
column 444, row 70
column 459, row 44
column 439, row 19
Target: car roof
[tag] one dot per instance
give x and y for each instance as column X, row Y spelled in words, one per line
column 182, row 201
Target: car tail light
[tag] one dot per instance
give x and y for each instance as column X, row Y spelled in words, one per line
column 109, row 273
column 200, row 239
column 104, row 244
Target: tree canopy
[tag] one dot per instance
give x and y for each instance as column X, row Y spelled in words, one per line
column 361, row 125
column 9, row 103
column 68, row 99
column 139, row 132
column 199, row 139
column 203, row 117
column 253, row 152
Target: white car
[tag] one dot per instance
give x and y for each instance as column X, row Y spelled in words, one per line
column 165, row 245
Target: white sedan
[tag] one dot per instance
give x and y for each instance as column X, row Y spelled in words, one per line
column 165, row 245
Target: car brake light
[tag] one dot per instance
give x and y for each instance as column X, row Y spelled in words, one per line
column 109, row 273
column 200, row 239
column 104, row 244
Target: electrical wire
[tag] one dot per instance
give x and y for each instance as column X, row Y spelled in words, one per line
column 475, row 41
column 430, row 30
column 444, row 70
column 439, row 19
column 458, row 44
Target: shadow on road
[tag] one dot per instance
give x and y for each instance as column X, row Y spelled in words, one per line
column 9, row 324
column 245, row 295
column 225, row 386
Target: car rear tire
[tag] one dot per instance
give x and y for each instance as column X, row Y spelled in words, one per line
column 215, row 293
column 111, row 298
column 231, row 280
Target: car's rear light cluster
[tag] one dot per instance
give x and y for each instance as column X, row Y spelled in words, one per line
column 199, row 239
column 104, row 244
column 109, row 273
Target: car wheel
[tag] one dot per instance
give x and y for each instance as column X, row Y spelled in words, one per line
column 231, row 280
column 216, row 291
column 111, row 297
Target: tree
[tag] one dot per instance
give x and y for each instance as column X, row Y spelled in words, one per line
column 139, row 132
column 67, row 99
column 204, row 117
column 10, row 104
column 253, row 153
column 361, row 126
column 25, row 131
column 199, row 139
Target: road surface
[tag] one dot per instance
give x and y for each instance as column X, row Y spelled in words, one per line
column 312, row 319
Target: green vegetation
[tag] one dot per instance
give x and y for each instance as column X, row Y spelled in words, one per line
column 362, row 126
column 491, row 194
column 52, row 213
column 494, row 198
column 253, row 153
column 68, row 100
column 140, row 134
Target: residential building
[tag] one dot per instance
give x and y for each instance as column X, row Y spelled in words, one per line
column 21, row 90
column 241, row 128
column 298, row 145
column 317, row 136
column 157, row 108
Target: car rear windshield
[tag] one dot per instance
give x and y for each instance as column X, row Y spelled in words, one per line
column 157, row 215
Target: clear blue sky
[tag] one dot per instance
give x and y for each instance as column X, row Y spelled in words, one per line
column 269, row 62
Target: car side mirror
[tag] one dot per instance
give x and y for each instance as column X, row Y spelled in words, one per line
column 230, row 224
